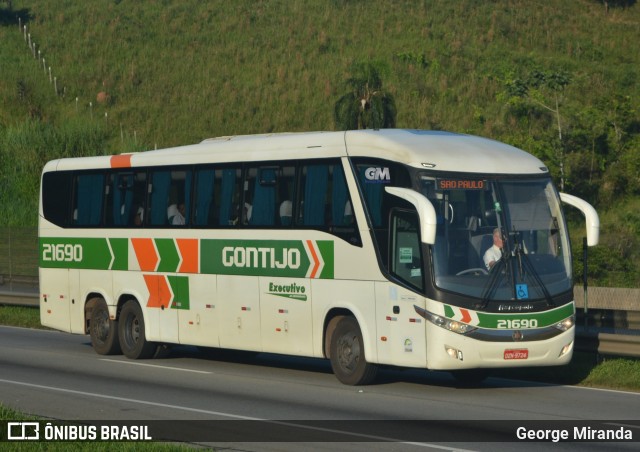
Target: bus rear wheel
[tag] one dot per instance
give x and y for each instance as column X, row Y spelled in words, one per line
column 103, row 330
column 131, row 333
column 347, row 354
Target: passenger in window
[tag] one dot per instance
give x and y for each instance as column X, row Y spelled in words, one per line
column 179, row 219
column 286, row 209
column 248, row 210
column 176, row 213
column 137, row 220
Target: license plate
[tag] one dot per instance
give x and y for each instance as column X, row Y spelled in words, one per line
column 521, row 353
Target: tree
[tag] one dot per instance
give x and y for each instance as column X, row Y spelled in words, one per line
column 544, row 89
column 367, row 104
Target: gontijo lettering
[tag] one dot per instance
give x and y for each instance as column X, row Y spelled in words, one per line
column 260, row 257
column 276, row 258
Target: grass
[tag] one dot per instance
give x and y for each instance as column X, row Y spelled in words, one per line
column 25, row 317
column 586, row 369
column 176, row 72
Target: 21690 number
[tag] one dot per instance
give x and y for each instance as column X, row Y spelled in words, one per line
column 518, row 323
column 61, row 252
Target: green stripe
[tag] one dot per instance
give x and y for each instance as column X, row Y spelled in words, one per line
column 278, row 258
column 180, row 288
column 490, row 320
column 545, row 318
column 120, row 249
column 169, row 257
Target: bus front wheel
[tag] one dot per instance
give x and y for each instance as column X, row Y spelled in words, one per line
column 347, row 354
column 131, row 333
column 103, row 330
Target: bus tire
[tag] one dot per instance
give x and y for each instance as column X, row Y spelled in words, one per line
column 131, row 333
column 347, row 354
column 103, row 330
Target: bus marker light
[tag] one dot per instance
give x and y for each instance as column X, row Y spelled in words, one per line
column 565, row 324
column 454, row 353
column 566, row 349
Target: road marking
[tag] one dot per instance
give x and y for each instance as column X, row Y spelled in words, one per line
column 232, row 416
column 133, row 363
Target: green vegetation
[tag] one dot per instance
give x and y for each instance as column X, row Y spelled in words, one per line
column 25, row 317
column 558, row 79
column 585, row 369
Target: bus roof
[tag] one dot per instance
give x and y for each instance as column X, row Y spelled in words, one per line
column 444, row 151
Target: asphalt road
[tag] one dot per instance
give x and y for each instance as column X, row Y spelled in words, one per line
column 269, row 402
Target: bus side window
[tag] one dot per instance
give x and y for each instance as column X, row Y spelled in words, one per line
column 56, row 196
column 87, row 210
column 159, row 197
column 230, row 197
column 406, row 256
column 179, row 209
column 204, row 202
column 260, row 197
column 314, row 195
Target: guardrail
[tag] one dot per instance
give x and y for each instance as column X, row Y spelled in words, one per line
column 604, row 328
column 609, row 325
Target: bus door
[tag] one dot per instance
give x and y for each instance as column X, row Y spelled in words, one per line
column 54, row 296
column 199, row 311
column 239, row 307
column 401, row 330
column 161, row 310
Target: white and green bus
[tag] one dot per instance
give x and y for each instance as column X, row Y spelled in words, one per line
column 364, row 247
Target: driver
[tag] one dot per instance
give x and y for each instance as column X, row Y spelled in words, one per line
column 493, row 254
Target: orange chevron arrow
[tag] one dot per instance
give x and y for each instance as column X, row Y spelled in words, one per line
column 466, row 316
column 146, row 254
column 316, row 261
column 189, row 252
column 159, row 292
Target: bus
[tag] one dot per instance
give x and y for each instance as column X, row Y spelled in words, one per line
column 365, row 247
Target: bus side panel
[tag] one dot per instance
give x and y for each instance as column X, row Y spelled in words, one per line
column 54, row 298
column 285, row 306
column 199, row 324
column 82, row 283
column 239, row 303
column 355, row 296
column 401, row 330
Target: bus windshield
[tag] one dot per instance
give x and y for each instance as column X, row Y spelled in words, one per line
column 499, row 239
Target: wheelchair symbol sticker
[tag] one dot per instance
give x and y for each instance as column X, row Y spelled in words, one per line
column 522, row 291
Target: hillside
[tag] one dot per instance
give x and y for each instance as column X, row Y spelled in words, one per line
column 556, row 78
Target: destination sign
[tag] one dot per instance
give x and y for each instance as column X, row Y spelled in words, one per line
column 462, row 184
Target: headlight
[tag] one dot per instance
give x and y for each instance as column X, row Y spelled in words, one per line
column 566, row 324
column 443, row 322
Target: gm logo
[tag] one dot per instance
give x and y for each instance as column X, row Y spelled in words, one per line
column 377, row 175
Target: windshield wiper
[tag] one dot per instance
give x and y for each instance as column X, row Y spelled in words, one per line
column 492, row 284
column 528, row 266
